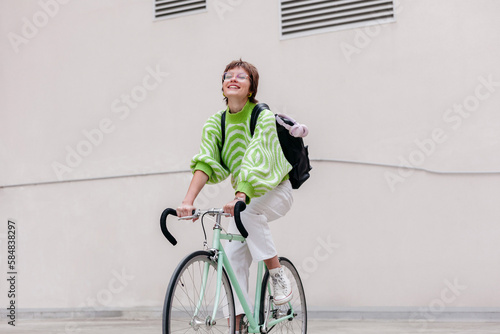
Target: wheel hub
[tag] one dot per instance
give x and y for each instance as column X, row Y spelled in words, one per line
column 198, row 322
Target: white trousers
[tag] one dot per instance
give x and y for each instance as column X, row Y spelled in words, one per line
column 259, row 244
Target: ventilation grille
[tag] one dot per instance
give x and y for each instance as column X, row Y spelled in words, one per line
column 305, row 17
column 172, row 8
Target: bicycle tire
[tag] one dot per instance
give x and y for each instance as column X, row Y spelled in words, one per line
column 183, row 294
column 298, row 324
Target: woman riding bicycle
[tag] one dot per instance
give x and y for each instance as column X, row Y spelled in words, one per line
column 259, row 176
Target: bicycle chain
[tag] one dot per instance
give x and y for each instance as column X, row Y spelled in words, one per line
column 244, row 325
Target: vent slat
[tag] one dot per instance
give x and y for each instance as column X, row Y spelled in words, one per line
column 346, row 5
column 312, row 18
column 161, row 2
column 177, row 3
column 337, row 26
column 334, row 23
column 165, row 8
column 301, row 3
column 325, row 3
column 299, row 17
column 176, row 8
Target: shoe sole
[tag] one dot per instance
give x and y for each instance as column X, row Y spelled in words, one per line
column 283, row 301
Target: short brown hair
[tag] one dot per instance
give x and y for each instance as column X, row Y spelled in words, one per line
column 252, row 72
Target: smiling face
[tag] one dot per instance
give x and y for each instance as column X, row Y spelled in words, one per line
column 236, row 83
column 248, row 82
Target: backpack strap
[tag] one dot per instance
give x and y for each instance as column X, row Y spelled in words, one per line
column 255, row 115
column 223, row 129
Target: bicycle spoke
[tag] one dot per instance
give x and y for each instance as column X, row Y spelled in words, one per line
column 183, row 289
column 190, row 304
column 298, row 324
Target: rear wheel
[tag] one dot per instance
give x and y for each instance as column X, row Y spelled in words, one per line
column 189, row 303
column 298, row 324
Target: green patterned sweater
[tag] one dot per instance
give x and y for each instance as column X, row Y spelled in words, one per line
column 256, row 164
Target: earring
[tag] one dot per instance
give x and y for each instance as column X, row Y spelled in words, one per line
column 249, row 95
column 223, row 94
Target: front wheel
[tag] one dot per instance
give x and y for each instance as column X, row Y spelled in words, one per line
column 297, row 324
column 191, row 295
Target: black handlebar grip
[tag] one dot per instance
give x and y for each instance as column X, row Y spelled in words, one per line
column 239, row 207
column 163, row 225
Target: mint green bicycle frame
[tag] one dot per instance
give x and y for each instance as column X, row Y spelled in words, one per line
column 223, row 262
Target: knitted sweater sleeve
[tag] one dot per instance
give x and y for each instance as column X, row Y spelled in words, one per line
column 208, row 159
column 264, row 165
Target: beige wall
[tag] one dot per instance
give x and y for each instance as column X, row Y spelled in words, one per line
column 131, row 95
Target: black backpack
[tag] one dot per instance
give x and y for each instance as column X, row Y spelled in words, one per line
column 294, row 149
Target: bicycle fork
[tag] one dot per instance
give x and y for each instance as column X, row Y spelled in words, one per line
column 208, row 322
column 197, row 322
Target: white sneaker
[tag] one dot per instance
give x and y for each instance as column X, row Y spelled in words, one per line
column 281, row 286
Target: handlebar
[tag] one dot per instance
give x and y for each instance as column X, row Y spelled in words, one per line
column 239, row 207
column 163, row 225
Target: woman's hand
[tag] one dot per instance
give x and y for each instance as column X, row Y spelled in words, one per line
column 185, row 209
column 197, row 182
column 229, row 207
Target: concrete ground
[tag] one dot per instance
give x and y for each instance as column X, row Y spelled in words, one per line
column 150, row 326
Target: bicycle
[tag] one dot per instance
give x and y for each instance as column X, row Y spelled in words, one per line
column 200, row 299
